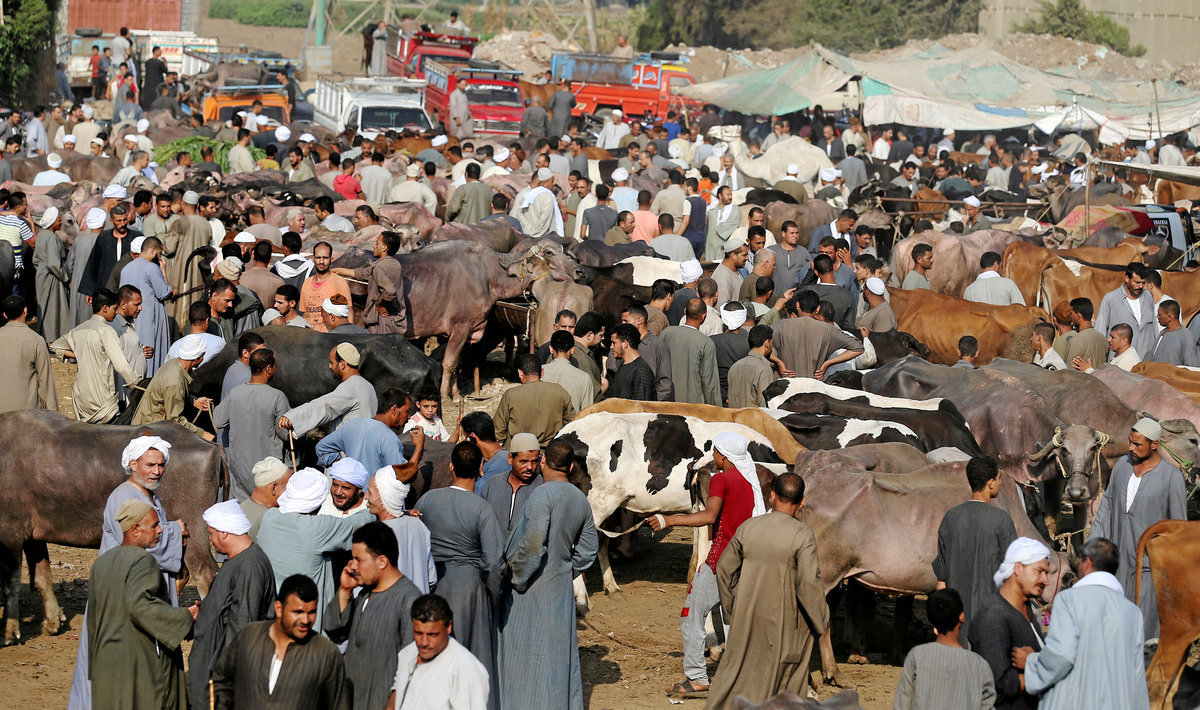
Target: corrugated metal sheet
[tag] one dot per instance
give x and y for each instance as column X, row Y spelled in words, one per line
column 112, row 15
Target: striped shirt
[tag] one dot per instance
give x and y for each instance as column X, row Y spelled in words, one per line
column 941, row 677
column 15, row 231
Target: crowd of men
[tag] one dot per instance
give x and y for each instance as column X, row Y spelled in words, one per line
column 333, row 593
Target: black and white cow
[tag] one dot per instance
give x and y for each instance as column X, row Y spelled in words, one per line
column 647, row 464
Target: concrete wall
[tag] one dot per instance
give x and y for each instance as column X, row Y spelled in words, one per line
column 1167, row 28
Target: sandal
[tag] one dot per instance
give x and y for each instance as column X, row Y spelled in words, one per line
column 687, row 689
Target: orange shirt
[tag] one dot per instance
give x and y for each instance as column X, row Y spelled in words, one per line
column 313, row 295
column 645, row 224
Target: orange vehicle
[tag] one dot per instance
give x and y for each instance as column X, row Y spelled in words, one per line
column 225, row 101
column 644, row 86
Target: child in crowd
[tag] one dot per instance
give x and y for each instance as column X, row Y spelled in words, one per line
column 426, row 401
column 942, row 675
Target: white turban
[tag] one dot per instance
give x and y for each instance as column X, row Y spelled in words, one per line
column 283, row 133
column 674, row 150
column 306, row 491
column 137, row 448
column 392, row 492
column 115, row 192
column 735, row 242
column 308, row 138
column 135, row 247
column 54, row 160
column 793, row 169
column 245, row 238
column 733, row 318
column 544, row 174
column 413, row 170
column 227, row 517
column 876, row 286
column 95, row 218
column 620, row 175
column 129, row 138
column 1023, row 550
column 1039, row 168
column 439, row 141
column 269, row 315
column 690, row 270
column 733, row 446
column 502, row 155
column 1151, row 143
column 333, row 309
column 972, row 200
column 948, row 132
column 828, row 174
column 191, row 347
column 49, row 217
column 143, row 125
column 89, row 112
column 268, row 471
column 351, row 472
column 70, row 138
column 616, row 113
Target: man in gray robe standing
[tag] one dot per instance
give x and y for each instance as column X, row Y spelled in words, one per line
column 77, row 259
column 152, row 326
column 250, row 413
column 461, row 124
column 552, row 541
column 1131, row 304
column 52, row 279
column 353, row 398
column 379, row 50
column 468, row 549
column 560, row 105
column 1142, row 490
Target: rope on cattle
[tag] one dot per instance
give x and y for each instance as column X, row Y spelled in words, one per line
column 623, row 532
column 1102, row 441
column 1184, row 463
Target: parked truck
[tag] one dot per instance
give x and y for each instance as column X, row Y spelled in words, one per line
column 409, row 52
column 493, row 92
column 371, row 103
column 225, row 101
column 646, row 85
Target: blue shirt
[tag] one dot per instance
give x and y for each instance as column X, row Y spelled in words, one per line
column 498, row 463
column 368, row 441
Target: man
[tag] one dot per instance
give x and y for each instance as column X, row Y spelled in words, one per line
column 791, row 182
column 673, row 200
column 287, row 649
column 922, row 256
column 384, row 311
column 1132, row 305
column 831, row 144
column 624, row 197
column 662, row 296
column 462, row 126
column 734, row 497
column 507, row 494
column 270, row 480
column 376, row 622
column 827, row 289
column 976, row 220
column 319, row 287
column 1088, row 344
column 111, row 248
column 731, row 344
column 972, row 539
column 16, row 228
column 198, row 322
column 729, row 281
column 258, row 278
column 143, row 276
column 535, row 406
column 51, row 176
column 468, row 548
column 376, row 180
column 613, row 130
column 294, row 267
column 578, row 384
column 535, row 122
column 250, row 412
column 414, row 191
column 436, row 671
column 1176, row 344
column 24, row 357
column 791, row 260
column 598, row 220
column 1045, row 355
column 352, row 399
column 779, row 132
column 807, row 345
column 129, row 305
column 722, row 219
column 693, row 358
column 621, row 233
column 479, row 429
column 386, row 495
column 552, row 541
column 1143, row 489
column 1093, row 653
column 750, row 376
column 968, row 349
column 1124, row 356
column 287, row 297
column 133, row 630
column 589, row 333
column 942, row 675
column 771, row 563
column 537, row 210
column 157, row 223
column 183, row 237
column 840, row 228
column 347, row 489
column 144, row 460
column 990, row 287
column 650, row 349
column 243, row 592
column 373, row 442
column 471, row 201
column 1006, row 621
column 633, row 379
column 167, row 393
column 97, row 349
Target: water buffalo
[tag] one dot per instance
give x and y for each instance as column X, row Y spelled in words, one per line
column 302, row 356
column 61, row 500
column 594, row 252
column 955, row 257
column 495, row 234
column 612, row 290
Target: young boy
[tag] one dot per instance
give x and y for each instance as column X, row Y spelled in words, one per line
column 269, row 162
column 968, row 350
column 346, row 184
column 427, row 400
column 943, row 675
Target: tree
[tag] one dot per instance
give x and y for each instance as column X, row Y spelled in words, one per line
column 1069, row 18
column 26, row 39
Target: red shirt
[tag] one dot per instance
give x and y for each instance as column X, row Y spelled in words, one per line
column 347, row 186
column 737, row 505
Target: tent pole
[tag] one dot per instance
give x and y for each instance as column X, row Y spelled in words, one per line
column 1087, row 200
column 1157, row 112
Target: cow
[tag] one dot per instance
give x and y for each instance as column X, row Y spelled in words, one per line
column 1140, row 393
column 302, row 358
column 1173, row 547
column 955, row 257
column 923, row 426
column 938, row 321
column 1185, row 381
column 828, row 431
column 1167, row 192
column 1069, row 279
column 647, row 463
column 808, row 216
column 856, row 513
column 1063, row 200
column 61, row 499
column 495, row 234
column 1025, row 264
column 594, row 252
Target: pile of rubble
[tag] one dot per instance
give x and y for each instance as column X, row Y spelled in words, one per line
column 529, row 51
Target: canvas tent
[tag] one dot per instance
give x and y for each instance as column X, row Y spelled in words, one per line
column 793, row 86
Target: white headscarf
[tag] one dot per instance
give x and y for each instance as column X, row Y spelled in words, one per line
column 733, row 446
column 95, row 218
column 139, row 446
column 733, row 318
column 227, row 517
column 1023, row 550
column 392, row 493
column 305, row 492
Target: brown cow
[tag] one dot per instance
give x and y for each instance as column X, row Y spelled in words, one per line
column 1167, row 192
column 938, row 321
column 753, row 417
column 808, row 216
column 1173, row 546
column 932, row 210
column 1064, row 280
column 1025, row 263
column 955, row 257
column 1184, row 380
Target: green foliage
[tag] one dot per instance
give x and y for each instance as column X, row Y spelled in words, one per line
column 1069, row 18
column 27, row 33
column 842, row 26
column 164, row 154
column 266, row 13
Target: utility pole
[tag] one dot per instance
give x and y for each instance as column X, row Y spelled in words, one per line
column 589, row 14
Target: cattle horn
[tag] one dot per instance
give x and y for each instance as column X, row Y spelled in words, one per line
column 1054, row 443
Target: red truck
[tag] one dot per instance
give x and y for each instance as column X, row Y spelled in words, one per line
column 408, row 52
column 493, row 93
column 643, row 86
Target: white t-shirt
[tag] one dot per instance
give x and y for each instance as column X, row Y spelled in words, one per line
column 276, row 666
column 1135, row 482
column 1135, row 305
